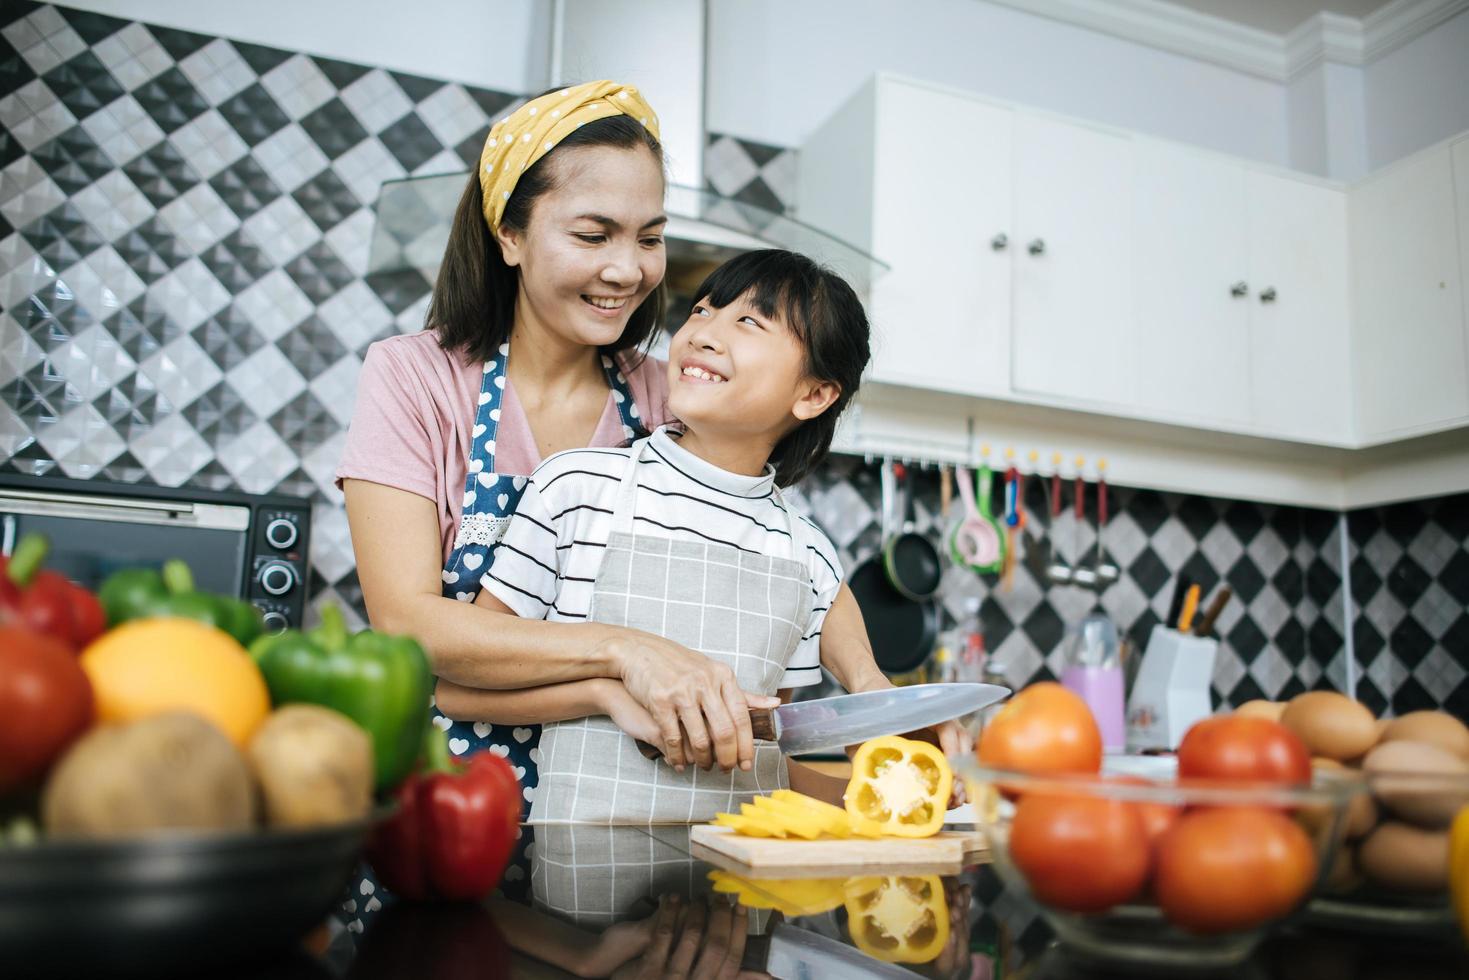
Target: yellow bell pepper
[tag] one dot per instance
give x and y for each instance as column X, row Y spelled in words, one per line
column 786, row 813
column 1459, row 868
column 900, row 785
column 839, row 822
column 898, row 919
column 790, row 896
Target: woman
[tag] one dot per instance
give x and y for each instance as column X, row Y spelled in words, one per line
column 556, row 253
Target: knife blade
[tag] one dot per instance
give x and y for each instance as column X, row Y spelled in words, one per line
column 848, row 719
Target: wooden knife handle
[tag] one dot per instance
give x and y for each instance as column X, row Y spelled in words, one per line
column 762, row 725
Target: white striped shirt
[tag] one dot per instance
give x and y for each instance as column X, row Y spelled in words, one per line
column 546, row 563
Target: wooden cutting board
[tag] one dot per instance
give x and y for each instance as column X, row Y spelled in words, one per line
column 947, row 852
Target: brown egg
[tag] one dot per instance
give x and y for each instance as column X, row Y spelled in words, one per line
column 1433, row 727
column 1330, row 724
column 1321, row 762
column 1362, row 814
column 1418, row 782
column 1406, row 858
column 1261, row 709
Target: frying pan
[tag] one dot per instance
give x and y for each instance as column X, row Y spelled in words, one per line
column 910, row 559
column 902, row 631
column 170, row 902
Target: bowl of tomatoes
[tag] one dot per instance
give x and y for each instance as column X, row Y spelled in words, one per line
column 1192, row 866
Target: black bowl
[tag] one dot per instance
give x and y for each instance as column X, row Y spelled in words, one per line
column 171, row 902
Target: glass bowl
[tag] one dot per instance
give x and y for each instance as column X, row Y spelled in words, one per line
column 1251, row 857
column 1391, row 871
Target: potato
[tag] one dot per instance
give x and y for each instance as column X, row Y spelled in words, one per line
column 1433, row 785
column 1406, row 858
column 1432, row 727
column 1331, row 724
column 314, row 767
column 170, row 771
column 1261, row 709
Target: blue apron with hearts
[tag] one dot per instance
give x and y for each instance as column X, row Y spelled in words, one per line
column 490, row 499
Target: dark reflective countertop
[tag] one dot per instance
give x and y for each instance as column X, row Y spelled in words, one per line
column 634, row 902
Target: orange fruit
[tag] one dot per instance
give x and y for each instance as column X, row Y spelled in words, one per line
column 150, row 666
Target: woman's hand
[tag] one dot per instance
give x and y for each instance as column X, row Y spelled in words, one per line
column 626, row 713
column 700, row 711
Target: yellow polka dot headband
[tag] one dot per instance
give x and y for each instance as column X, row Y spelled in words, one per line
column 531, row 131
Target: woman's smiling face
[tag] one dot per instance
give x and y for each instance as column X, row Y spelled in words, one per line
column 593, row 250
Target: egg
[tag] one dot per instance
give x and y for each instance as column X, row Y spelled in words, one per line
column 1261, row 709
column 1406, row 858
column 1343, row 876
column 1433, row 727
column 1361, row 817
column 1418, row 782
column 1331, row 724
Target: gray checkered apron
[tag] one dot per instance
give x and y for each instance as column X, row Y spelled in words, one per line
column 743, row 609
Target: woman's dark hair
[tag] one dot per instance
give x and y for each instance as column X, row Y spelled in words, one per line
column 828, row 319
column 473, row 304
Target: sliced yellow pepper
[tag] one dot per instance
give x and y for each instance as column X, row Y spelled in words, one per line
column 898, row 919
column 900, row 785
column 750, row 827
column 1459, row 868
column 791, row 896
column 786, row 813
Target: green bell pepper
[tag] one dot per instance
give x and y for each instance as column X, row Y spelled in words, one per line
column 381, row 682
column 139, row 593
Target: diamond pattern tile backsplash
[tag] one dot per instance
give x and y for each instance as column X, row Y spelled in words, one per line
column 184, row 229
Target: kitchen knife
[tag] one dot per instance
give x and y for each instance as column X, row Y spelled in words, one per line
column 848, row 719
column 1205, row 625
column 804, row 955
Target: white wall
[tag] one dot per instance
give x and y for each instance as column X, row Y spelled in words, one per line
column 778, row 68
column 1418, row 94
column 486, row 43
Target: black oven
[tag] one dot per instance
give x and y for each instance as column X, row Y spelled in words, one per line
column 248, row 545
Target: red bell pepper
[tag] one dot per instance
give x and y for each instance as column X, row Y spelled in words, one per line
column 44, row 601
column 45, row 703
column 455, row 826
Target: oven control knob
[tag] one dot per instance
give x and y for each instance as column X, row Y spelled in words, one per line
column 277, row 578
column 276, row 622
column 281, row 533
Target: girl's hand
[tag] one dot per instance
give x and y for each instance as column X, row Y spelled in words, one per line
column 627, row 714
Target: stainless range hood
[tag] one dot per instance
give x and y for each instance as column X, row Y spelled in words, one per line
column 659, row 46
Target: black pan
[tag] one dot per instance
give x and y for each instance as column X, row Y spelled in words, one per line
column 901, row 629
column 168, row 903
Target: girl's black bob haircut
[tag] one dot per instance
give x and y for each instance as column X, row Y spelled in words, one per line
column 826, row 316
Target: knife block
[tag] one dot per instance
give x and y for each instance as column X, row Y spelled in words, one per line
column 1171, row 691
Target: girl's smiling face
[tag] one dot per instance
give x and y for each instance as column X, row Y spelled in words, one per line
column 735, row 372
column 593, row 250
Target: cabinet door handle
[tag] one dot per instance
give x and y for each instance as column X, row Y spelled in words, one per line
column 1267, row 295
column 1037, row 247
column 1240, row 288
column 999, row 242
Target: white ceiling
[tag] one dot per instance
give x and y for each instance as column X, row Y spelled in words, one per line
column 1279, row 16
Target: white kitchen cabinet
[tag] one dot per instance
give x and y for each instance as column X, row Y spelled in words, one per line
column 1409, row 369
column 1192, row 352
column 1459, row 152
column 921, row 178
column 1071, row 332
column 1300, row 315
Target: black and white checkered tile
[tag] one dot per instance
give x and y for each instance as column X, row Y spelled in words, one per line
column 1276, row 641
column 184, row 300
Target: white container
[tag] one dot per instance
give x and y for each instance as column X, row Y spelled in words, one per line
column 1171, row 690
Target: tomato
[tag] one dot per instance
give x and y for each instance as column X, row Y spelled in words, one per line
column 45, row 704
column 1045, row 729
column 1079, row 853
column 1157, row 818
column 1247, row 749
column 1228, row 868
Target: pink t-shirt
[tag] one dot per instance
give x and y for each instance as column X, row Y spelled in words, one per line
column 415, row 411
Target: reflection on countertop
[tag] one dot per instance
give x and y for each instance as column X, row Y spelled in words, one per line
column 634, row 902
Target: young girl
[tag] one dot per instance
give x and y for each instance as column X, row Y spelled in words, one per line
column 685, row 535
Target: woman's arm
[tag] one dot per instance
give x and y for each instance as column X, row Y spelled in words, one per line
column 554, row 702
column 395, row 535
